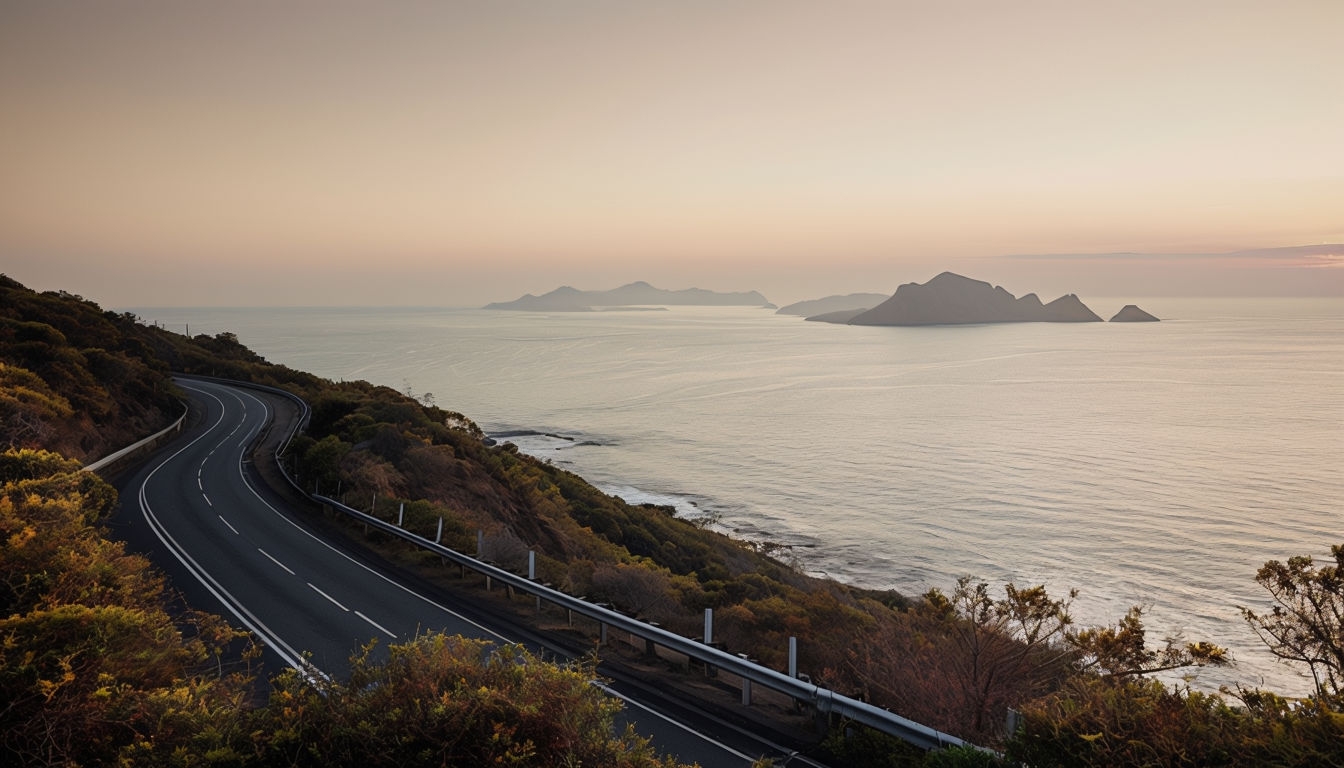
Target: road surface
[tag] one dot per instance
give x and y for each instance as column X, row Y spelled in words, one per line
column 231, row 546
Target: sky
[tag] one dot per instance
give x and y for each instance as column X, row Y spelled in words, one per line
column 456, row 153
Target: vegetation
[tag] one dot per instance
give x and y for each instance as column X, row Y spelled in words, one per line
column 1306, row 623
column 449, row 701
column 94, row 669
column 91, row 661
column 74, row 378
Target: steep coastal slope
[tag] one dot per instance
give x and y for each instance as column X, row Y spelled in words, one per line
column 951, row 299
column 567, row 299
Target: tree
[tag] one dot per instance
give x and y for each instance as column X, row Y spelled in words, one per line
column 1122, row 650
column 321, row 463
column 959, row 661
column 1007, row 647
column 1306, row 623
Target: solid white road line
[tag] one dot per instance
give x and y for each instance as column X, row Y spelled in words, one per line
column 230, row 603
column 353, row 561
column 612, row 692
column 306, row 667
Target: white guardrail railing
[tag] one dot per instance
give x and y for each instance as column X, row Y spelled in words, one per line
column 824, row 700
column 112, row 458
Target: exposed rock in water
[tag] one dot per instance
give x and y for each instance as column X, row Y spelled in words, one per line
column 1132, row 314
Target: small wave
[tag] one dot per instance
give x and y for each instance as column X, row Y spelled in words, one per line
column 686, row 506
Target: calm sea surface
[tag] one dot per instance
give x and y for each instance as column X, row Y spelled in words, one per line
column 1156, row 464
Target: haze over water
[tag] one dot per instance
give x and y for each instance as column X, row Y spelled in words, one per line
column 1159, row 464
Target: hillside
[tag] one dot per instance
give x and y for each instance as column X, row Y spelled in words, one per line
column 101, row 665
column 74, row 378
column 956, row 660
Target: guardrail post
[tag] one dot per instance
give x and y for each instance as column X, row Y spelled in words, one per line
column 532, row 573
column 824, row 704
column 401, row 514
column 709, row 639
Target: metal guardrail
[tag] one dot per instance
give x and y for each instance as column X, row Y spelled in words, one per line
column 824, row 700
column 112, row 458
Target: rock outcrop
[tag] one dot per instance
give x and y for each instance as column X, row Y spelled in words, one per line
column 1132, row 314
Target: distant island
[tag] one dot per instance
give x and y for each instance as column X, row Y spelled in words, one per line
column 1132, row 314
column 951, row 299
column 567, row 299
column 856, row 302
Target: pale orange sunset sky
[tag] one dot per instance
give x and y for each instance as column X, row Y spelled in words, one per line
column 454, row 153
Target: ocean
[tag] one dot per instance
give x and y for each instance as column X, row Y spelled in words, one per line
column 1158, row 464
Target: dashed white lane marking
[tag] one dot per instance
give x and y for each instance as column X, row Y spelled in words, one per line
column 226, row 522
column 380, row 627
column 198, row 483
column 207, row 500
column 277, row 562
column 329, row 597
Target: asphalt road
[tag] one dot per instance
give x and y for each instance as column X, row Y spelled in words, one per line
column 230, row 545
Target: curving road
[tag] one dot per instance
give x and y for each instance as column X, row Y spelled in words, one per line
column 231, row 546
